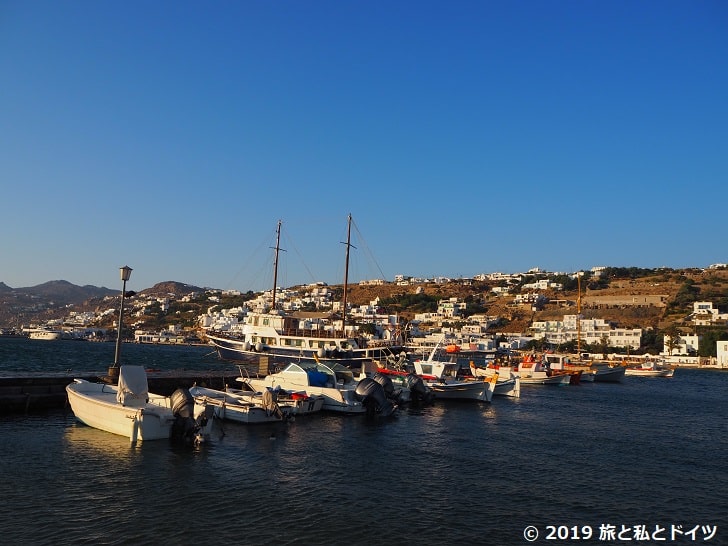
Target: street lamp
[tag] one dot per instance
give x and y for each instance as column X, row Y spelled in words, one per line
column 125, row 274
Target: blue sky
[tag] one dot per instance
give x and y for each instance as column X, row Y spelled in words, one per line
column 463, row 137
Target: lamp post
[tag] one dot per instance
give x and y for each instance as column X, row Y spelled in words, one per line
column 125, row 274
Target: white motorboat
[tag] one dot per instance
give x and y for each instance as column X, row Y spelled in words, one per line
column 295, row 402
column 45, row 334
column 650, row 370
column 242, row 408
column 129, row 409
column 335, row 383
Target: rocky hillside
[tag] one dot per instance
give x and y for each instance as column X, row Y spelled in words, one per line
column 669, row 295
column 678, row 288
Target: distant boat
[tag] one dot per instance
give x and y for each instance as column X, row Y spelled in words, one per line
column 508, row 383
column 649, row 369
column 605, row 373
column 45, row 334
column 300, row 337
column 533, row 371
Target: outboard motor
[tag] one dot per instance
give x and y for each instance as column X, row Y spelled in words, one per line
column 185, row 428
column 385, row 382
column 419, row 391
column 183, row 404
column 398, row 395
column 269, row 401
column 373, row 398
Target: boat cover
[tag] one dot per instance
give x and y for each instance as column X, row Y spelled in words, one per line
column 133, row 389
column 317, row 379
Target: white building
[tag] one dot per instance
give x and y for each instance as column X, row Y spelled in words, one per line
column 704, row 314
column 686, row 345
column 593, row 331
column 722, row 354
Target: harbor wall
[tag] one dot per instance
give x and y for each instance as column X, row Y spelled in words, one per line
column 36, row 394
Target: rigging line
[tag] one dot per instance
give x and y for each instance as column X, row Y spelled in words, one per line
column 252, row 259
column 289, row 242
column 367, row 249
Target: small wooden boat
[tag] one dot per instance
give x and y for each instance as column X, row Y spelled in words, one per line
column 605, row 373
column 444, row 381
column 508, row 383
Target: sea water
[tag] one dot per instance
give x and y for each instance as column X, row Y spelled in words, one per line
column 643, row 460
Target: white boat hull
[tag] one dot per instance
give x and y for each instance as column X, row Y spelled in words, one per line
column 249, row 409
column 338, row 400
column 648, row 372
column 558, row 380
column 464, row 390
column 96, row 405
column 507, row 384
column 46, row 335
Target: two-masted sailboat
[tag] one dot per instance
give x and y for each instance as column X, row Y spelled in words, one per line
column 288, row 337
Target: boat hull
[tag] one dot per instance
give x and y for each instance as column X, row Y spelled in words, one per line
column 241, row 351
column 610, row 375
column 95, row 405
column 649, row 372
column 334, row 399
column 557, row 380
column 239, row 408
column 464, row 390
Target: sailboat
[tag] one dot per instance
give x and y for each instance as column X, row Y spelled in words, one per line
column 287, row 338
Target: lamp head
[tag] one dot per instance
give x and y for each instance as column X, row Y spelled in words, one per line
column 125, row 272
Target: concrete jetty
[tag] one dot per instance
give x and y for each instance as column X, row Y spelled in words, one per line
column 26, row 394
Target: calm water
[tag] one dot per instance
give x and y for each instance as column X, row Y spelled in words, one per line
column 646, row 452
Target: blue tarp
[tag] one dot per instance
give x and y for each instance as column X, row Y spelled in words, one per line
column 317, row 379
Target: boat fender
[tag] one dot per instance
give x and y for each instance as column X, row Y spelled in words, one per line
column 259, row 347
column 321, row 353
column 246, row 346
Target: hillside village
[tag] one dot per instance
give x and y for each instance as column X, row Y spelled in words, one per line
column 678, row 313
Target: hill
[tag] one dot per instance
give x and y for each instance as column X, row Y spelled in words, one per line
column 656, row 299
column 631, row 298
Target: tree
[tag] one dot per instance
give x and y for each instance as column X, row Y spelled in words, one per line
column 672, row 338
column 604, row 345
column 708, row 342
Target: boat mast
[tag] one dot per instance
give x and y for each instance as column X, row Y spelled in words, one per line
column 578, row 314
column 346, row 273
column 275, row 264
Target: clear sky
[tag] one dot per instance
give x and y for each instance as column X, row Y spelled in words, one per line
column 464, row 137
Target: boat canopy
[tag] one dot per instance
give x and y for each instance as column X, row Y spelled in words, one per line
column 133, row 389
